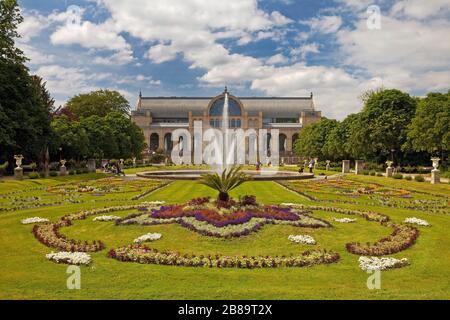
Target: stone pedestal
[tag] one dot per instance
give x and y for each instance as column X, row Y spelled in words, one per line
column 63, row 171
column 359, row 166
column 435, row 176
column 345, row 166
column 91, row 165
column 389, row 172
column 327, row 167
column 18, row 173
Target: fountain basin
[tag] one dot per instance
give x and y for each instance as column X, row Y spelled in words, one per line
column 197, row 174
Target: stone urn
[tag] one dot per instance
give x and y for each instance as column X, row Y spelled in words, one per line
column 435, row 162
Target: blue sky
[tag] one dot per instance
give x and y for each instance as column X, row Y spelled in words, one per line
column 335, row 48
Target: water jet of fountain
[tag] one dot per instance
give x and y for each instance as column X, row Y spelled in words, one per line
column 225, row 125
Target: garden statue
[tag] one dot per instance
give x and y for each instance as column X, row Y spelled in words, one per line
column 19, row 159
column 134, row 162
column 18, row 172
column 328, row 165
column 389, row 169
column 63, row 169
column 435, row 173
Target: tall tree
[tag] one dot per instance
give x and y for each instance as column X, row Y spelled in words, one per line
column 98, row 103
column 430, row 129
column 312, row 138
column 337, row 145
column 382, row 126
column 10, row 18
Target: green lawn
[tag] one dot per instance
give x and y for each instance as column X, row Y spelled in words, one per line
column 26, row 274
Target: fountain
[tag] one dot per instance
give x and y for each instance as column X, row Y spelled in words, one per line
column 225, row 125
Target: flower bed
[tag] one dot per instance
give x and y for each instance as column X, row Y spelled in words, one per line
column 374, row 263
column 368, row 215
column 148, row 237
column 145, row 255
column 34, row 220
column 302, row 239
column 106, row 218
column 417, row 221
column 401, row 239
column 49, row 234
column 73, row 258
column 344, row 220
column 201, row 216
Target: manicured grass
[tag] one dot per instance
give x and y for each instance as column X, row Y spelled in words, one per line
column 26, row 274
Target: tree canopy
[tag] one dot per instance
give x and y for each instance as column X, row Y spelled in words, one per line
column 312, row 138
column 98, row 103
column 430, row 129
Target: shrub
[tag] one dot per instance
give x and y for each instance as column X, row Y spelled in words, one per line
column 398, row 176
column 373, row 173
column 379, row 174
column 3, row 168
column 419, row 178
column 366, row 172
column 33, row 175
column 79, row 171
column 409, row 178
column 85, row 170
column 54, row 166
column 53, row 174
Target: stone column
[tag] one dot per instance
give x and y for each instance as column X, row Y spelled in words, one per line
column 345, row 166
column 63, row 171
column 359, row 166
column 91, row 165
column 389, row 172
column 435, row 176
column 18, row 173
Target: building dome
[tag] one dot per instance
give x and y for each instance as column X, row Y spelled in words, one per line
column 234, row 110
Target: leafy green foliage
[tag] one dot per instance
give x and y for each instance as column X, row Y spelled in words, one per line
column 225, row 182
column 10, row 18
column 430, row 128
column 98, row 103
column 312, row 138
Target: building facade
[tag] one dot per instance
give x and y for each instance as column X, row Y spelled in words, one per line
column 160, row 116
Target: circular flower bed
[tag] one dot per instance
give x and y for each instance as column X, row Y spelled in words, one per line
column 233, row 219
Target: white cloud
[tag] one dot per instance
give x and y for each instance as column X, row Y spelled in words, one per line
column 161, row 53
column 32, row 25
column 403, row 53
column 324, row 24
column 420, row 9
column 304, row 50
column 277, row 59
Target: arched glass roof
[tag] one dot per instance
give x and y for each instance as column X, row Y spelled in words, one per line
column 234, row 110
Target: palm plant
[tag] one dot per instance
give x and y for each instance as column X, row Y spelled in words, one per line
column 225, row 182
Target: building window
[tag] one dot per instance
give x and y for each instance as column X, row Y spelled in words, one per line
column 154, row 142
column 282, row 142
column 168, row 144
column 234, row 110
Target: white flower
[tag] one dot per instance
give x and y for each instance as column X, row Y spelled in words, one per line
column 417, row 221
column 34, row 220
column 153, row 203
column 148, row 237
column 302, row 239
column 76, row 258
column 290, row 204
column 374, row 263
column 106, row 218
column 344, row 220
